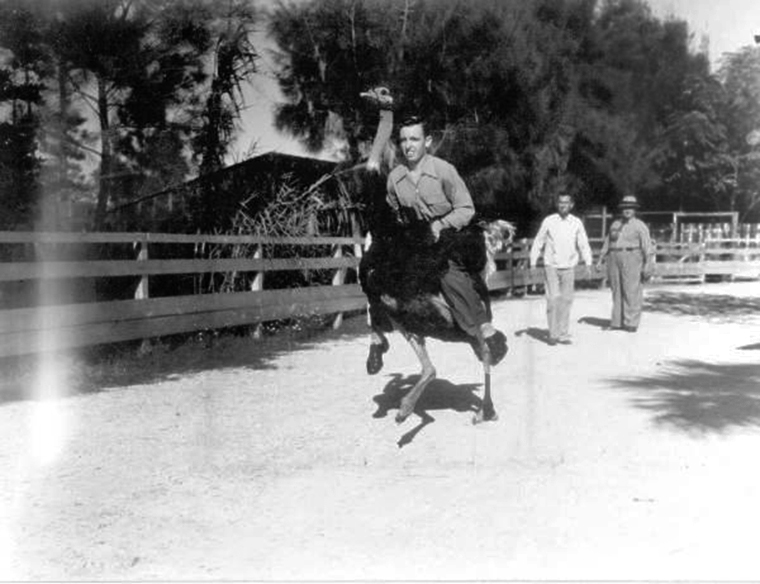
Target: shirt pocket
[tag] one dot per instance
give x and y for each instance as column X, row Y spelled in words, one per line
column 431, row 193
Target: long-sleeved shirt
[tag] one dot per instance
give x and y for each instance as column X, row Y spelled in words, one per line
column 440, row 193
column 562, row 239
column 629, row 235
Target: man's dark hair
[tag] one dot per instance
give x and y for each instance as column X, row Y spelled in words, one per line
column 413, row 120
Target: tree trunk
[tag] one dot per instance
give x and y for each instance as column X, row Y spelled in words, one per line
column 63, row 110
column 106, row 156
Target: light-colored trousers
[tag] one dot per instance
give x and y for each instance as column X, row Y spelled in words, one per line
column 624, row 275
column 560, row 285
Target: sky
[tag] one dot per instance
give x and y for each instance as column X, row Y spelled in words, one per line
column 728, row 25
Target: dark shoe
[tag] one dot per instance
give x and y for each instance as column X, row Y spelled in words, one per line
column 630, row 329
column 375, row 357
column 497, row 345
column 551, row 341
column 565, row 342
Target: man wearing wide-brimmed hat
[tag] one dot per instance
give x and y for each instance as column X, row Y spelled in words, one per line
column 629, row 253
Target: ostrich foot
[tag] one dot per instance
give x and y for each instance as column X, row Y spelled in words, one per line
column 485, row 415
column 375, row 357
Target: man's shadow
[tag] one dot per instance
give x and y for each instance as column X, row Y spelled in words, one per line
column 535, row 333
column 602, row 323
column 753, row 347
column 543, row 334
column 438, row 395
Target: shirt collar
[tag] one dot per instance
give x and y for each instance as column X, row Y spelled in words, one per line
column 427, row 167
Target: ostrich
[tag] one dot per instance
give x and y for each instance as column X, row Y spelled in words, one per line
column 401, row 271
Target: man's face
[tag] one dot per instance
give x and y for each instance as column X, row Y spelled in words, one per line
column 564, row 205
column 414, row 143
column 629, row 212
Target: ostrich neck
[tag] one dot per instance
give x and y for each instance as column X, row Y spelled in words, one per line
column 384, row 129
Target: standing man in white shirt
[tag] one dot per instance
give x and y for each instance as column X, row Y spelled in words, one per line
column 562, row 238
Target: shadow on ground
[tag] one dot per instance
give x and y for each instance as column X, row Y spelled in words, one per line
column 753, row 347
column 699, row 397
column 19, row 378
column 602, row 323
column 535, row 333
column 716, row 307
column 439, row 395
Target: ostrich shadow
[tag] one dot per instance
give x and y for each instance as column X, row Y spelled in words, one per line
column 439, row 395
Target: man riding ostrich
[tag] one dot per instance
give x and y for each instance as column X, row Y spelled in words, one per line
column 422, row 271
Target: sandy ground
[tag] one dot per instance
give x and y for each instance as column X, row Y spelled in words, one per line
column 622, row 456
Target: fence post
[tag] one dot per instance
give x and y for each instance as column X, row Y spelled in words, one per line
column 143, row 290
column 199, row 251
column 364, row 247
column 511, row 267
column 674, row 237
column 338, row 278
column 358, row 246
column 256, row 286
column 701, row 259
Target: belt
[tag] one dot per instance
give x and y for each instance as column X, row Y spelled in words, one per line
column 625, row 248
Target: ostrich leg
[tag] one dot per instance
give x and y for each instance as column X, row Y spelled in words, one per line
column 427, row 375
column 486, row 413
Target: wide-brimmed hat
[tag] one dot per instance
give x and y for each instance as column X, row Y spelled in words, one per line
column 629, row 202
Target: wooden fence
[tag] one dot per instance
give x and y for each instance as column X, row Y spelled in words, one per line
column 679, row 226
column 722, row 258
column 35, row 267
column 42, row 324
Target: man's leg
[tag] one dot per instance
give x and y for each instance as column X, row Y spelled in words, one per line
column 551, row 285
column 615, row 280
column 481, row 288
column 633, row 289
column 566, row 289
column 469, row 310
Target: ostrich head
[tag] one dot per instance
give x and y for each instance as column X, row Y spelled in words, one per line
column 379, row 96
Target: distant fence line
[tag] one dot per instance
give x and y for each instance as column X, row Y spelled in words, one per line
column 162, row 293
column 681, row 226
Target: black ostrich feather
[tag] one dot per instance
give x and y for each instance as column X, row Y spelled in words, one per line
column 402, row 272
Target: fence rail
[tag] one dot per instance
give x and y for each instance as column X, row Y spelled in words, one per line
column 41, row 308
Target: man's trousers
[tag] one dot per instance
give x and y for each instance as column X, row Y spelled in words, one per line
column 467, row 295
column 624, row 275
column 560, row 286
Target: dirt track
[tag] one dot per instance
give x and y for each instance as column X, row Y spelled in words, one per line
column 622, row 456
